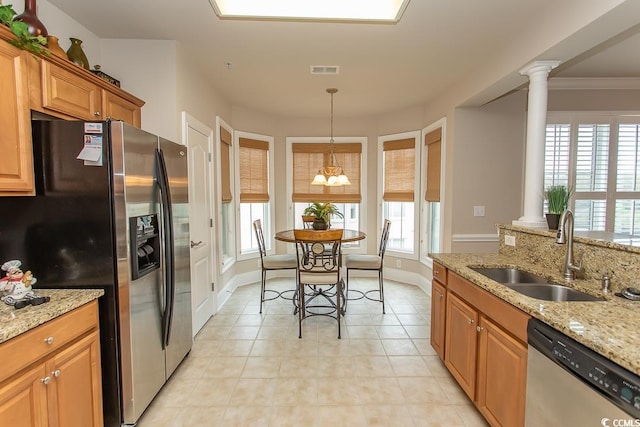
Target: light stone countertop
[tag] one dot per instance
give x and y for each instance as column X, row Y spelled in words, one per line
column 608, row 327
column 15, row 322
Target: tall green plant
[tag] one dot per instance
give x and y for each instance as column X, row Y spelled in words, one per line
column 558, row 198
column 35, row 44
column 323, row 211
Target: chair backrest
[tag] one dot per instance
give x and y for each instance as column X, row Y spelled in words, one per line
column 319, row 252
column 383, row 238
column 257, row 227
column 307, row 221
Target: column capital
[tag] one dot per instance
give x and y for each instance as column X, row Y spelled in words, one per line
column 538, row 66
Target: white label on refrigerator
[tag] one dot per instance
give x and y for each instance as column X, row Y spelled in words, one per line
column 93, row 128
column 92, row 151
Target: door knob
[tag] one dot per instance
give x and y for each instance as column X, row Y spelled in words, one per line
column 194, row 244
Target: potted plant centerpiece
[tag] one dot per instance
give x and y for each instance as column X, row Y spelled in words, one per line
column 558, row 200
column 323, row 213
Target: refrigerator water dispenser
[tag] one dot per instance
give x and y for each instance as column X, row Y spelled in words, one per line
column 145, row 245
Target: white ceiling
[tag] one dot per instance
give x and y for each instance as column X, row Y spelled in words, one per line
column 383, row 67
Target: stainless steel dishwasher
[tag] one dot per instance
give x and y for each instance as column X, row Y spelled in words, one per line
column 569, row 384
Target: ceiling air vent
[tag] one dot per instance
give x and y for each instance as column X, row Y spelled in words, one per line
column 325, row 69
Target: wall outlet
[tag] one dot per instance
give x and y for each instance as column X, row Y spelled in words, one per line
column 478, row 211
column 398, row 263
column 509, row 240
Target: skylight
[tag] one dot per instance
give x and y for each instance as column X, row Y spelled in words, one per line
column 347, row 10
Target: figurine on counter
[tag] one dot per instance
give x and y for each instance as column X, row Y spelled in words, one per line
column 16, row 286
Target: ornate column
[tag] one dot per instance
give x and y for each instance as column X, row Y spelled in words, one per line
column 538, row 72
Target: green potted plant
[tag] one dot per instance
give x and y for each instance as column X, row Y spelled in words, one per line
column 323, row 213
column 558, row 199
column 24, row 40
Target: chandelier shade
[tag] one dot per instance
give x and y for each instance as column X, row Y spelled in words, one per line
column 331, row 175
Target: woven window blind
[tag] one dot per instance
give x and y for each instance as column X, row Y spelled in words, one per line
column 309, row 157
column 254, row 175
column 433, row 141
column 399, row 170
column 225, row 161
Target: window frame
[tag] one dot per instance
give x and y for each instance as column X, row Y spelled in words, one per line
column 227, row 255
column 356, row 247
column 269, row 210
column 425, row 207
column 417, row 136
column 613, row 119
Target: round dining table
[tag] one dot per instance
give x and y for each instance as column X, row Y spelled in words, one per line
column 347, row 235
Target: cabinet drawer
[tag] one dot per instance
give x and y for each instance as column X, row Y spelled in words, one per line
column 504, row 314
column 25, row 349
column 440, row 273
column 70, row 94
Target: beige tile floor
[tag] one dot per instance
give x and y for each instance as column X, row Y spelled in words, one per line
column 250, row 369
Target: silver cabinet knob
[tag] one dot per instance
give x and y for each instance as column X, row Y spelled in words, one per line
column 479, row 328
column 97, row 114
column 470, row 321
column 48, row 340
column 46, row 380
column 56, row 373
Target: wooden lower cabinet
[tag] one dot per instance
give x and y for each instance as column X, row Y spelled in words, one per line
column 438, row 319
column 23, row 400
column 75, row 395
column 502, row 371
column 61, row 388
column 461, row 343
column 484, row 349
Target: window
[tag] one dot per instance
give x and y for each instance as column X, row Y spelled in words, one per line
column 227, row 206
column 254, row 182
column 399, row 167
column 432, row 152
column 307, row 156
column 598, row 157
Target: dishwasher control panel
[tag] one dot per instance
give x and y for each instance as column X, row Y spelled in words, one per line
column 619, row 385
column 599, row 375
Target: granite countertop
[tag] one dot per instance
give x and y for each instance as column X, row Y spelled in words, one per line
column 608, row 327
column 15, row 322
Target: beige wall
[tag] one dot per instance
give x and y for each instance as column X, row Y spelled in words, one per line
column 594, row 100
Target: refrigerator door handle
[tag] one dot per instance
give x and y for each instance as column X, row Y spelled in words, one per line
column 167, row 219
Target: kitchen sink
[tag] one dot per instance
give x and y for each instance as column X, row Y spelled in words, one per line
column 534, row 286
column 552, row 292
column 509, row 275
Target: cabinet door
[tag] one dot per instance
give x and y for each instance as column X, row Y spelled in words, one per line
column 438, row 317
column 117, row 108
column 502, row 371
column 23, row 399
column 69, row 94
column 16, row 161
column 75, row 398
column 461, row 343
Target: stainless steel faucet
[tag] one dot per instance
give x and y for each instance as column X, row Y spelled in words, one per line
column 565, row 235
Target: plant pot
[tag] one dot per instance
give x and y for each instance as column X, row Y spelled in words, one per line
column 553, row 221
column 320, row 224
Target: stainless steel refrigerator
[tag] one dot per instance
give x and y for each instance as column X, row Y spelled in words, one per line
column 111, row 212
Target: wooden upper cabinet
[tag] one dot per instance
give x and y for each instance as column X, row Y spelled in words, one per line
column 16, row 161
column 118, row 108
column 70, row 94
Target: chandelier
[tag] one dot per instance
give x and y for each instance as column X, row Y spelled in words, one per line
column 331, row 175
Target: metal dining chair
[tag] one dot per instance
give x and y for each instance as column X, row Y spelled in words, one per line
column 307, row 221
column 320, row 285
column 370, row 263
column 269, row 263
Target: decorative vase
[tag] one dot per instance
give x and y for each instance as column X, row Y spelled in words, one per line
column 54, row 47
column 76, row 54
column 553, row 221
column 30, row 17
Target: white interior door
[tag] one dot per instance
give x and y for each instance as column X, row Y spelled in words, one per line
column 199, row 139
